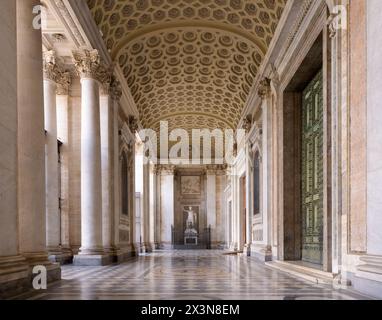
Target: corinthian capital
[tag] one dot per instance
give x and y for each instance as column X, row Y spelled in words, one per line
column 264, row 88
column 50, row 67
column 167, row 170
column 63, row 83
column 115, row 89
column 88, row 64
column 247, row 123
column 133, row 124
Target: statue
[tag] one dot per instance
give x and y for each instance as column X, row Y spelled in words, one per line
column 190, row 222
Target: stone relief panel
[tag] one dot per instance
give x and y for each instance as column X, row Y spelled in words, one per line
column 190, row 185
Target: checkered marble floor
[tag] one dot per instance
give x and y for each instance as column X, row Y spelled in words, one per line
column 185, row 275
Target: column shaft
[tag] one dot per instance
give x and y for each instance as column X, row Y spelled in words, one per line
column 53, row 221
column 167, row 207
column 91, row 183
column 117, row 181
column 211, row 204
column 31, row 137
column 107, row 145
column 63, row 136
column 31, row 141
column 13, row 270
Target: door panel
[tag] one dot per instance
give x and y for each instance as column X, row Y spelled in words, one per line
column 312, row 172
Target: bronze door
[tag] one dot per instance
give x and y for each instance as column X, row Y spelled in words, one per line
column 312, row 171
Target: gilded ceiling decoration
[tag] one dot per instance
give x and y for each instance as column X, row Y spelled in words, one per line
column 190, row 62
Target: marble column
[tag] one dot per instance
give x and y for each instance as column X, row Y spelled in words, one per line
column 106, row 123
column 235, row 240
column 152, row 204
column 157, row 205
column 266, row 96
column 249, row 192
column 110, row 95
column 53, row 219
column 167, row 205
column 62, row 100
column 145, row 219
column 13, row 267
column 89, row 68
column 116, row 93
column 31, row 141
column 211, row 203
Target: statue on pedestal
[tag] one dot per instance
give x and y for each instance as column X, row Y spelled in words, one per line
column 191, row 231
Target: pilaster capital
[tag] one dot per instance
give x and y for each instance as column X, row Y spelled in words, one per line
column 115, row 89
column 133, row 124
column 156, row 169
column 247, row 123
column 216, row 170
column 264, row 88
column 167, row 170
column 104, row 76
column 64, row 81
column 88, row 65
column 50, row 67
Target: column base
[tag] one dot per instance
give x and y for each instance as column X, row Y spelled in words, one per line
column 247, row 249
column 14, row 276
column 41, row 259
column 166, row 246
column 261, row 252
column 92, row 260
column 233, row 247
column 147, row 248
column 368, row 277
column 61, row 258
column 60, row 255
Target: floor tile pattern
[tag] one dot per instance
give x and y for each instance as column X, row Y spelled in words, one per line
column 174, row 275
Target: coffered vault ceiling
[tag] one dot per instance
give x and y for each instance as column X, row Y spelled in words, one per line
column 190, row 62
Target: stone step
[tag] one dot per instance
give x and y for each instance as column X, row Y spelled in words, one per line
column 304, row 272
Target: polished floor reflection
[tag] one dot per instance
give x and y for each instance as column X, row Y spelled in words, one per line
column 172, row 275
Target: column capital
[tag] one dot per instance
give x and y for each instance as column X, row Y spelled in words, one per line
column 133, row 124
column 110, row 86
column 216, row 169
column 88, row 65
column 264, row 88
column 166, row 170
column 247, row 123
column 51, row 69
column 115, row 89
column 64, row 80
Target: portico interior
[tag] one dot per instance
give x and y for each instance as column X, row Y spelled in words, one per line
column 98, row 96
